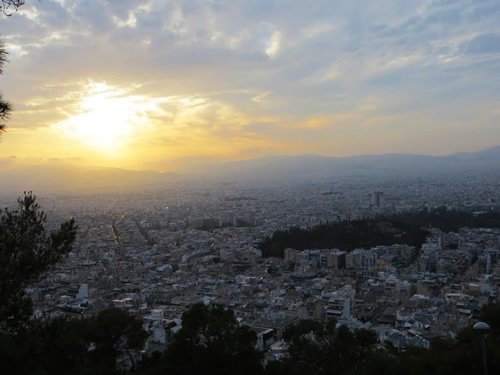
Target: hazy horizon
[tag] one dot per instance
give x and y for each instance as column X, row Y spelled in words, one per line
column 187, row 163
column 60, row 176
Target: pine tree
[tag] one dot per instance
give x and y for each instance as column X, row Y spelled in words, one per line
column 27, row 251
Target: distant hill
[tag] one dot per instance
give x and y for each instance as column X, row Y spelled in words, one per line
column 56, row 177
column 314, row 167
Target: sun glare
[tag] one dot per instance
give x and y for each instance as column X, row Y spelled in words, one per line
column 108, row 118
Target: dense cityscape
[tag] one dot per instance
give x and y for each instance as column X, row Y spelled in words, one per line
column 156, row 254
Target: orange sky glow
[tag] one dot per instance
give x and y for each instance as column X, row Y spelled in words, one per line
column 154, row 85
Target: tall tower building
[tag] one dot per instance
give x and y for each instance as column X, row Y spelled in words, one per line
column 378, row 199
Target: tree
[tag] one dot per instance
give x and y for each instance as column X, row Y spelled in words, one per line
column 4, row 106
column 212, row 342
column 6, row 5
column 78, row 346
column 112, row 332
column 27, row 251
column 322, row 349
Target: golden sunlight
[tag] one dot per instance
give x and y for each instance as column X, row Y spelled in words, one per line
column 107, row 118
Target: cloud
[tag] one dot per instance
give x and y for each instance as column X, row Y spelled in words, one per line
column 483, row 44
column 273, row 45
column 229, row 65
column 261, row 97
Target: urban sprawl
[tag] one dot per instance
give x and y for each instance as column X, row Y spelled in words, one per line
column 155, row 254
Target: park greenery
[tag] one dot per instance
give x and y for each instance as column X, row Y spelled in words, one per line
column 408, row 228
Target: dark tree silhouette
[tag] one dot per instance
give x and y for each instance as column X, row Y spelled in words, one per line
column 212, row 342
column 4, row 106
column 6, row 5
column 322, row 348
column 26, row 252
column 78, row 346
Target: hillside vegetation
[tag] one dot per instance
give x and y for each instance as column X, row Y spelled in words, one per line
column 409, row 229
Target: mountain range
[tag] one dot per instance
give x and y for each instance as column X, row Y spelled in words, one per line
column 61, row 177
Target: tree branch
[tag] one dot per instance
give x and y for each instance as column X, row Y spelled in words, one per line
column 14, row 4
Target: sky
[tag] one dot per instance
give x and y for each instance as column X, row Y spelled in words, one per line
column 159, row 84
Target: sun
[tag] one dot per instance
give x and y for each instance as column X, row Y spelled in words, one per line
column 107, row 118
